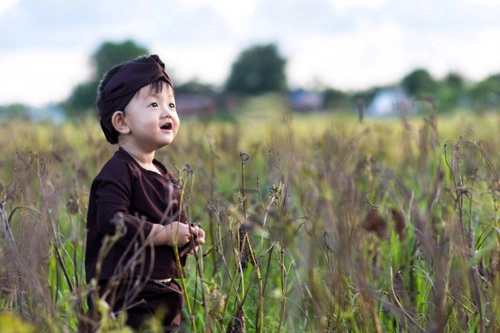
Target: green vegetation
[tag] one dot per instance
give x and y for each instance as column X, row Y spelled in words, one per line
column 315, row 223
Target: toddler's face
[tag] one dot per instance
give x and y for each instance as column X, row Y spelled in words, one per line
column 152, row 117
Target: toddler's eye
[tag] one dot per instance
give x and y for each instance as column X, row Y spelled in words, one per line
column 171, row 105
column 154, row 104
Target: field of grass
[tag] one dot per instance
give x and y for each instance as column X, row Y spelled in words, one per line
column 315, row 222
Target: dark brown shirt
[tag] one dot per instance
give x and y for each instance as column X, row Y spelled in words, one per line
column 140, row 198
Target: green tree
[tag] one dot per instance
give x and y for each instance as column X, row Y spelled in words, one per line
column 455, row 81
column 418, row 83
column 450, row 91
column 258, row 69
column 336, row 99
column 107, row 55
column 13, row 110
column 194, row 87
column 363, row 98
column 486, row 93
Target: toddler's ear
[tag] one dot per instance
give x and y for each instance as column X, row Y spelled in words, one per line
column 119, row 123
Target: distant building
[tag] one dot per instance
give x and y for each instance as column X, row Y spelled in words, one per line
column 391, row 101
column 303, row 100
column 196, row 104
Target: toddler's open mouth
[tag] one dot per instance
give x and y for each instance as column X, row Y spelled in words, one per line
column 167, row 126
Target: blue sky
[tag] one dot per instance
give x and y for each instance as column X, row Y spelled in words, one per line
column 346, row 44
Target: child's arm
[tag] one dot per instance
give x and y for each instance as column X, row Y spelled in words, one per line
column 176, row 234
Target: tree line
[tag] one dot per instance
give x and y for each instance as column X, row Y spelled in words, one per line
column 260, row 69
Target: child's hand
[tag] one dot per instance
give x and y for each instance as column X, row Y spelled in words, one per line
column 197, row 239
column 178, row 234
column 198, row 235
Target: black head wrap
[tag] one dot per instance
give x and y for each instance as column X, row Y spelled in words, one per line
column 122, row 86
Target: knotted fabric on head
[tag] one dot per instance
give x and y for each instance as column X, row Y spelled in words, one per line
column 122, row 86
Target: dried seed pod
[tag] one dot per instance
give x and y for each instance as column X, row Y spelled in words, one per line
column 238, row 323
column 399, row 223
column 374, row 223
column 72, row 205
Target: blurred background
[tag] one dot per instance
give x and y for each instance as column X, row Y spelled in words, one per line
column 382, row 56
column 391, row 222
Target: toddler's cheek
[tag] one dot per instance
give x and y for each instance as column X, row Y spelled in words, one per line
column 152, row 127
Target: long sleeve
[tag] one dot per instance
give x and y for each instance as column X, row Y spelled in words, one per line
column 142, row 198
column 113, row 195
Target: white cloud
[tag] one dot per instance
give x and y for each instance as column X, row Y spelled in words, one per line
column 206, row 63
column 6, row 4
column 236, row 13
column 43, row 75
column 476, row 55
column 346, row 4
column 482, row 2
column 352, row 60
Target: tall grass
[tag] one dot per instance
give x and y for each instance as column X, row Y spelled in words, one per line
column 315, row 223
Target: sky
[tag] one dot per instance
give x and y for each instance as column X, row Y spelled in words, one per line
column 45, row 45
